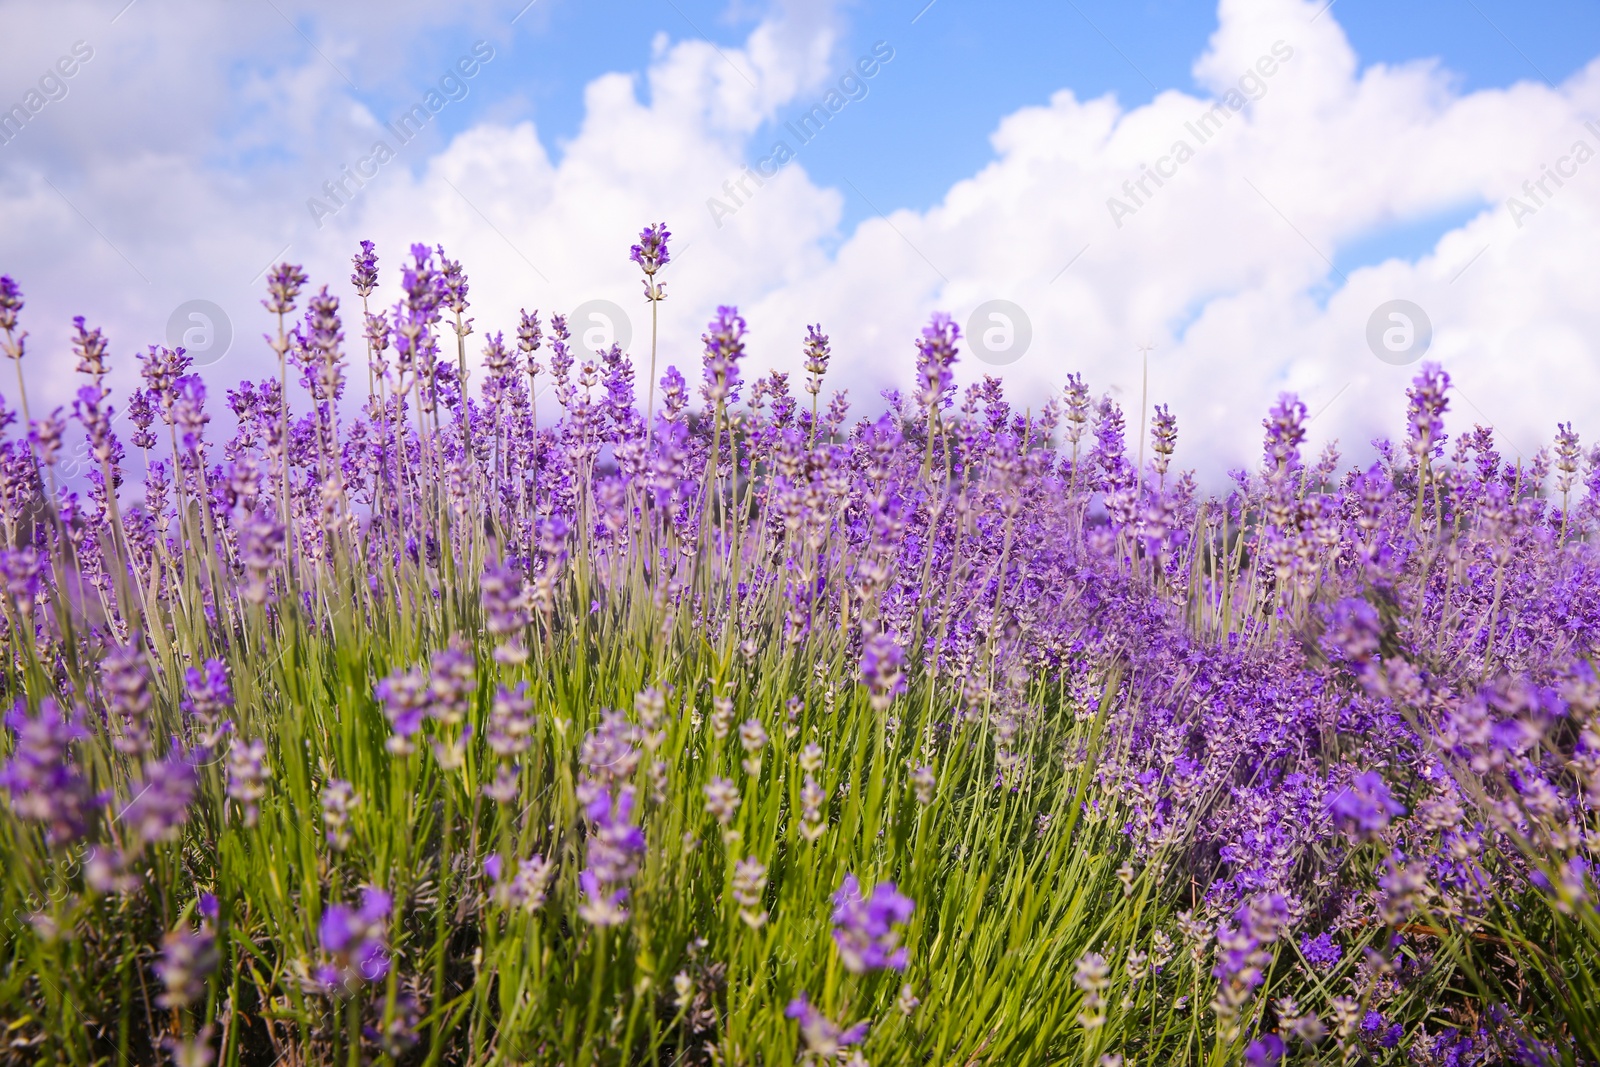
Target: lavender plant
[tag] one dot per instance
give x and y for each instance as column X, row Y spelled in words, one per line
column 437, row 729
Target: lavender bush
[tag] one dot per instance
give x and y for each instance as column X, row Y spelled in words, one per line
column 518, row 724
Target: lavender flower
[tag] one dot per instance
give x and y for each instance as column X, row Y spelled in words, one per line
column 1364, row 807
column 365, row 277
column 651, row 251
column 1244, row 952
column 161, row 368
column 283, row 287
column 721, row 716
column 247, row 776
column 722, row 799
column 207, row 698
column 674, row 394
column 749, row 885
column 192, row 1051
column 338, row 799
column 531, row 884
column 95, row 414
column 1402, row 889
column 10, row 304
column 651, row 255
column 824, row 1039
column 724, row 343
column 1321, row 951
column 936, row 354
column 188, row 957
column 1264, row 1051
column 1378, row 1029
column 527, row 889
column 1428, row 403
column 45, row 434
column 506, row 611
column 529, row 336
column 404, row 696
column 260, row 540
column 863, row 926
column 650, row 705
column 20, row 569
column 1163, row 438
column 610, row 754
column 616, row 846
column 161, row 799
column 817, row 353
column 90, row 348
column 812, row 798
column 451, row 683
column 753, row 738
column 1092, row 974
column 43, row 783
column 207, row 694
column 506, row 785
column 510, row 721
column 355, row 941
column 1285, row 426
column 188, row 411
column 882, row 660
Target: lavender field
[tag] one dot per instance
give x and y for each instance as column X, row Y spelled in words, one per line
column 580, row 710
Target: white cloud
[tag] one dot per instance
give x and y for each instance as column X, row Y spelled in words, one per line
column 1224, row 267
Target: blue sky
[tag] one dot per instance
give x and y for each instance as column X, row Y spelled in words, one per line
column 960, row 65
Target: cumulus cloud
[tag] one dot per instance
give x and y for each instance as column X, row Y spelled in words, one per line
column 1227, row 265
column 1207, row 225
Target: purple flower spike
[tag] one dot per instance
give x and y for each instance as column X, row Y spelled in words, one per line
column 338, row 928
column 817, row 355
column 365, row 278
column 863, row 926
column 1364, row 807
column 20, row 570
column 506, row 608
column 651, row 251
column 283, row 285
column 616, row 846
column 404, row 698
column 187, row 959
column 881, row 663
column 44, row 784
column 90, row 347
column 724, row 341
column 1264, row 1051
column 356, row 941
column 375, row 905
column 1286, row 429
column 160, row 804
column 188, row 410
column 454, row 677
column 936, row 354
column 10, row 303
column 207, row 693
column 1321, row 951
column 1428, row 403
column 824, row 1038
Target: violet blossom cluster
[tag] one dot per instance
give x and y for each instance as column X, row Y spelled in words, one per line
column 864, row 926
column 1340, row 700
